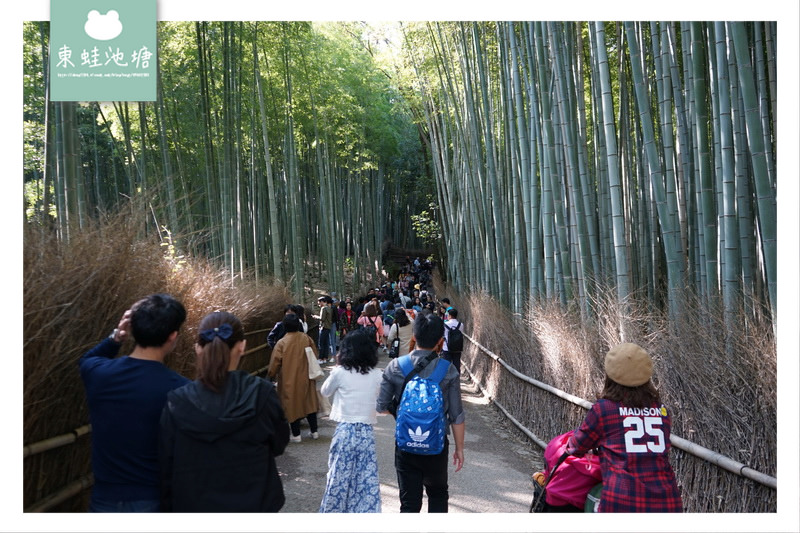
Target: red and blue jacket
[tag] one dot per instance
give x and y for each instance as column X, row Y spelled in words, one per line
column 634, row 445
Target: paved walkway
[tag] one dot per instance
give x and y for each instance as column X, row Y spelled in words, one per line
column 495, row 477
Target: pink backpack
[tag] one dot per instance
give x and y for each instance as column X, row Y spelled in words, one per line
column 573, row 478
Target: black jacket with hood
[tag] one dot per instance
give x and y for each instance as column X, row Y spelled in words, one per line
column 217, row 450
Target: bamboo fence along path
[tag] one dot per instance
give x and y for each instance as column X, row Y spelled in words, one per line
column 699, row 451
column 702, row 453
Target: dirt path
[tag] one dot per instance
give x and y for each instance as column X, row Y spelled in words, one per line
column 495, row 477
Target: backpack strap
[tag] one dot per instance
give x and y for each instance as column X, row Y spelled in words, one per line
column 457, row 326
column 405, row 364
column 409, row 371
column 442, row 366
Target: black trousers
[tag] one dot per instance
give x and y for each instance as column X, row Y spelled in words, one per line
column 453, row 357
column 415, row 472
column 312, row 422
column 324, row 344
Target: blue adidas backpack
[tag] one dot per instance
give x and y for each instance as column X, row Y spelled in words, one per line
column 420, row 425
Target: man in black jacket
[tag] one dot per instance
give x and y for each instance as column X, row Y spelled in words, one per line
column 277, row 331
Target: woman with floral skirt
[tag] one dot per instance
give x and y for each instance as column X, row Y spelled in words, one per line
column 352, row 482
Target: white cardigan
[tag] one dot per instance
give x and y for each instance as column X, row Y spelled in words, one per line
column 354, row 394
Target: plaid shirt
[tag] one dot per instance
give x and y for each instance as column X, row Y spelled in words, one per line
column 634, row 457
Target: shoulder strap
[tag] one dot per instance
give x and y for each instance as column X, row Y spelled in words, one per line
column 405, row 364
column 441, row 371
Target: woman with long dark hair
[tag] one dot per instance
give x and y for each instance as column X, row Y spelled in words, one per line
column 221, row 433
column 352, row 482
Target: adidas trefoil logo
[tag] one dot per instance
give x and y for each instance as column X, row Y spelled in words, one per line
column 418, row 436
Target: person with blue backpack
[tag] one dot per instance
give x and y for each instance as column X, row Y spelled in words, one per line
column 423, row 392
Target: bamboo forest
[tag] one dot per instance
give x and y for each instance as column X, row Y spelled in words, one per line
column 560, row 158
column 576, row 183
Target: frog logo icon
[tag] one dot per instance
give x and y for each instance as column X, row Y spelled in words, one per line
column 103, row 27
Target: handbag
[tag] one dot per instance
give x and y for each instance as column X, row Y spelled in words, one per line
column 314, row 370
column 394, row 350
column 324, row 404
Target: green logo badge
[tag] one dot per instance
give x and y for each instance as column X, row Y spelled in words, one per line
column 103, row 50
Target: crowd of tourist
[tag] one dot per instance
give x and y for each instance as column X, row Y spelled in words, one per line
column 161, row 442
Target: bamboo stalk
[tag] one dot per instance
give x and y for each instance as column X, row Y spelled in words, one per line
column 56, row 442
column 701, row 452
column 723, row 462
column 257, row 348
column 259, row 371
column 74, row 488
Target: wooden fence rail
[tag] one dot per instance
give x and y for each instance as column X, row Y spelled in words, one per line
column 710, row 456
column 66, row 439
column 62, row 495
column 56, row 442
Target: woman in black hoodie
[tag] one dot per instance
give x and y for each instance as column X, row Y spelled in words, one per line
column 220, row 434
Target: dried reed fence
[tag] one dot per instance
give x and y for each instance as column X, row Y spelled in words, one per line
column 74, row 294
column 720, row 383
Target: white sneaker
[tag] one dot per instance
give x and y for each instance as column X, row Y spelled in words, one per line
column 292, row 438
column 315, row 435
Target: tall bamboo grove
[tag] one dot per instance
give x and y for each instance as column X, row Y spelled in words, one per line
column 576, row 156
